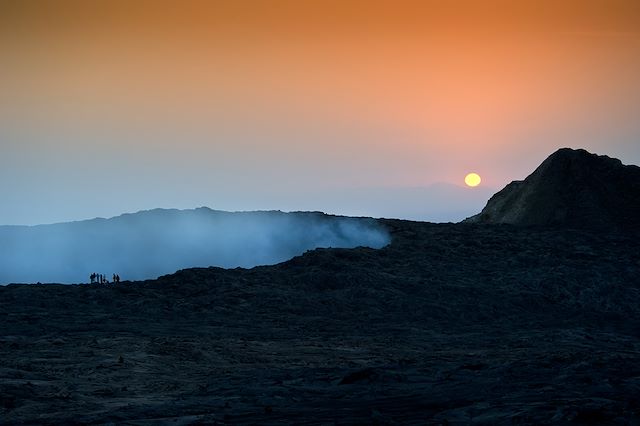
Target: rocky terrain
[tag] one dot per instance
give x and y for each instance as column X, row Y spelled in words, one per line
column 571, row 188
column 471, row 323
column 449, row 324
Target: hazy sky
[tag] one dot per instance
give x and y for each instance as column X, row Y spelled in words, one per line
column 109, row 107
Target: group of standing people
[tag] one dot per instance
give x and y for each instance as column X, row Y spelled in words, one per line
column 101, row 279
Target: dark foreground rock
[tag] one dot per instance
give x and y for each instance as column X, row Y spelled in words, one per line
column 450, row 324
column 571, row 188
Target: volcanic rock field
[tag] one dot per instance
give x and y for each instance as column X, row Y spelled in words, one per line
column 449, row 324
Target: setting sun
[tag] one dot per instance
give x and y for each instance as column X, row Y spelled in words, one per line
column 472, row 179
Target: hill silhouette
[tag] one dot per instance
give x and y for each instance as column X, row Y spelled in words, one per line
column 571, row 188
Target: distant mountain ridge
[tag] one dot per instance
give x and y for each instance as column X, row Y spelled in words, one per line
column 571, row 188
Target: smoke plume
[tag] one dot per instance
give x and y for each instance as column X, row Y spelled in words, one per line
column 152, row 243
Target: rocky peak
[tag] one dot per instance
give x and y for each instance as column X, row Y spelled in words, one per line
column 571, row 188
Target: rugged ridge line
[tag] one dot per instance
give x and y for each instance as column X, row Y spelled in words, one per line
column 573, row 189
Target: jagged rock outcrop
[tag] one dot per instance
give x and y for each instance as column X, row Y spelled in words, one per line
column 571, row 188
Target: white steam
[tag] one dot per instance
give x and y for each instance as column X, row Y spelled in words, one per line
column 157, row 242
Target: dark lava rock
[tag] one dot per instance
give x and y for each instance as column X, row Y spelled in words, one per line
column 448, row 324
column 571, row 188
column 358, row 376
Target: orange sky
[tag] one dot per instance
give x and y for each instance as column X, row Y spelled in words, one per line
column 335, row 93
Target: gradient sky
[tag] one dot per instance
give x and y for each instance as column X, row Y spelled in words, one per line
column 116, row 106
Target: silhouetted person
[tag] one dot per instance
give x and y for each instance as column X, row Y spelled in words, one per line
column 92, row 277
column 118, row 278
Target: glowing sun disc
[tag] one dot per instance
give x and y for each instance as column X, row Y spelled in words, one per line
column 472, row 179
